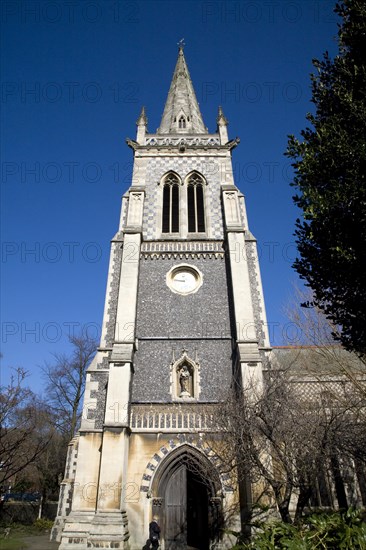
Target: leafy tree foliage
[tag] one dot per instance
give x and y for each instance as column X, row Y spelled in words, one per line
column 329, row 164
column 332, row 531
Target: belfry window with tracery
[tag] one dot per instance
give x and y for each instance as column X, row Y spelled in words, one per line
column 195, row 203
column 170, row 222
column 183, row 210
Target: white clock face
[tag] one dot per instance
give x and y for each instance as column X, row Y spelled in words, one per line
column 184, row 279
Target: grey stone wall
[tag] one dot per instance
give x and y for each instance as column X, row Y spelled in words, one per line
column 254, row 289
column 163, row 313
column 167, row 323
column 151, row 381
column 97, row 415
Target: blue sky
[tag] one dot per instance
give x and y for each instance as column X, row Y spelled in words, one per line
column 74, row 78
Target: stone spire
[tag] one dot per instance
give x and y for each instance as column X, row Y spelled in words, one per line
column 181, row 112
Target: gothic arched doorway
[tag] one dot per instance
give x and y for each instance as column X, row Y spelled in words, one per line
column 186, row 484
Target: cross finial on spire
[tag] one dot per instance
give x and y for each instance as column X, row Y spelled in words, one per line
column 181, row 44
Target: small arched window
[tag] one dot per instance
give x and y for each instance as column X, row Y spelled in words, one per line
column 182, row 122
column 196, row 209
column 170, row 223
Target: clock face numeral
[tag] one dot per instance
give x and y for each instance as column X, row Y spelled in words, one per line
column 184, row 279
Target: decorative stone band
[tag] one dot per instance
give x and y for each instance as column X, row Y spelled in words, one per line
column 172, row 418
column 200, row 141
column 182, row 249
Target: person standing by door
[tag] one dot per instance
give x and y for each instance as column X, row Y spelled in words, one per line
column 154, row 533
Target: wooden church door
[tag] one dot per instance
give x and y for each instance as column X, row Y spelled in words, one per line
column 175, row 510
column 186, row 512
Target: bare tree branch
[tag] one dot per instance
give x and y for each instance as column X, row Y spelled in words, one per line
column 20, row 443
column 65, row 379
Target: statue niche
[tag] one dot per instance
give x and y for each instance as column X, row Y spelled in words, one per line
column 185, row 381
column 184, row 378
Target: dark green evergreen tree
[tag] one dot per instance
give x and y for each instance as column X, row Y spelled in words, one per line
column 329, row 176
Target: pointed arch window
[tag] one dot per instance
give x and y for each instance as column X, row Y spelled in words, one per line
column 170, row 222
column 196, row 208
column 182, row 122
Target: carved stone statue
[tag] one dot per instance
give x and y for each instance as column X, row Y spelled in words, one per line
column 184, row 380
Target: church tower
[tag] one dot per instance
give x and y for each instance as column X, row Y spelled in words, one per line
column 184, row 316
